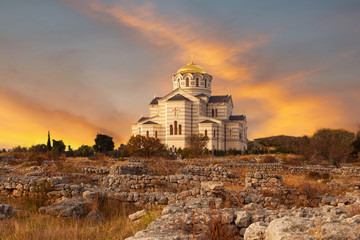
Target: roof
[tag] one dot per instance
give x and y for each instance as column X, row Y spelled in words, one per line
column 150, row 122
column 191, row 68
column 142, row 119
column 219, row 99
column 207, row 121
column 155, row 100
column 178, row 97
column 237, row 117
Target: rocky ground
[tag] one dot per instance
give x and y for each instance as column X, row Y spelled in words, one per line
column 201, row 199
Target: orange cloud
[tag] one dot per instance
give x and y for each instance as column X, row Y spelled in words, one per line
column 291, row 112
column 184, row 34
column 24, row 123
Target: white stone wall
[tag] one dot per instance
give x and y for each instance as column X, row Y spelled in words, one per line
column 154, row 110
column 180, row 81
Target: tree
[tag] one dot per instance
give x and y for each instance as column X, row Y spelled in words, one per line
column 70, row 152
column 40, row 148
column 20, row 149
column 334, row 145
column 197, row 143
column 356, row 144
column 103, row 143
column 145, row 146
column 48, row 142
column 304, row 148
column 58, row 147
column 85, row 151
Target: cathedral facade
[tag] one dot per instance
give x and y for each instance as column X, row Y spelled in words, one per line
column 190, row 109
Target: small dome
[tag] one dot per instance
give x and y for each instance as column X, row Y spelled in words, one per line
column 191, row 68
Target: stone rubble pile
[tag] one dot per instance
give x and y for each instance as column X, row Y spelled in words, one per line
column 69, row 207
column 195, row 218
column 6, row 211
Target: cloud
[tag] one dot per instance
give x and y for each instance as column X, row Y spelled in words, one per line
column 186, row 36
column 22, row 122
column 57, row 91
column 284, row 104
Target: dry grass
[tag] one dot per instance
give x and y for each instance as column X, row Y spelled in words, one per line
column 163, row 167
column 35, row 226
column 345, row 179
column 311, row 189
column 28, row 224
column 218, row 230
column 212, row 228
column 354, row 210
column 240, row 173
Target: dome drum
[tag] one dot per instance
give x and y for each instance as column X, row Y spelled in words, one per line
column 193, row 79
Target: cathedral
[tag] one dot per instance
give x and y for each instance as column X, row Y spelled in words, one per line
column 190, row 109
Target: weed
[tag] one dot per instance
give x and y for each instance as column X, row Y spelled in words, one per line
column 354, row 210
column 151, row 216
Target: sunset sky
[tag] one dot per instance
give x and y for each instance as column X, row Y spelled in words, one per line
column 78, row 67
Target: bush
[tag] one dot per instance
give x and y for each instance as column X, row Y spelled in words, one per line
column 85, row 151
column 317, row 176
column 19, row 149
column 142, row 146
column 40, row 148
column 103, row 143
column 58, row 147
column 197, row 144
column 269, row 159
column 219, row 152
column 36, row 158
column 333, row 145
column 234, row 152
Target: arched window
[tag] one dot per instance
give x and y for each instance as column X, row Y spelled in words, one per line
column 230, row 132
column 179, row 129
column 171, row 130
column 205, row 133
column 187, row 82
column 155, row 134
column 197, row 82
column 240, row 135
column 212, row 113
column 214, row 133
column 205, row 82
column 216, row 113
column 175, row 127
column 147, row 133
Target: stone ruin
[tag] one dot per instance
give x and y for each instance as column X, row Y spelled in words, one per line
column 196, row 198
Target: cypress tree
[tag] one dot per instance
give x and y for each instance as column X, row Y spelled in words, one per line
column 48, row 142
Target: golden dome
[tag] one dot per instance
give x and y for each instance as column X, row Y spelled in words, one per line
column 191, row 68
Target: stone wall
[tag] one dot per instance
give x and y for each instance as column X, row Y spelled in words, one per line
column 147, row 183
column 94, row 170
column 259, row 182
column 217, row 173
column 278, row 167
column 132, row 169
column 58, row 187
column 346, row 171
